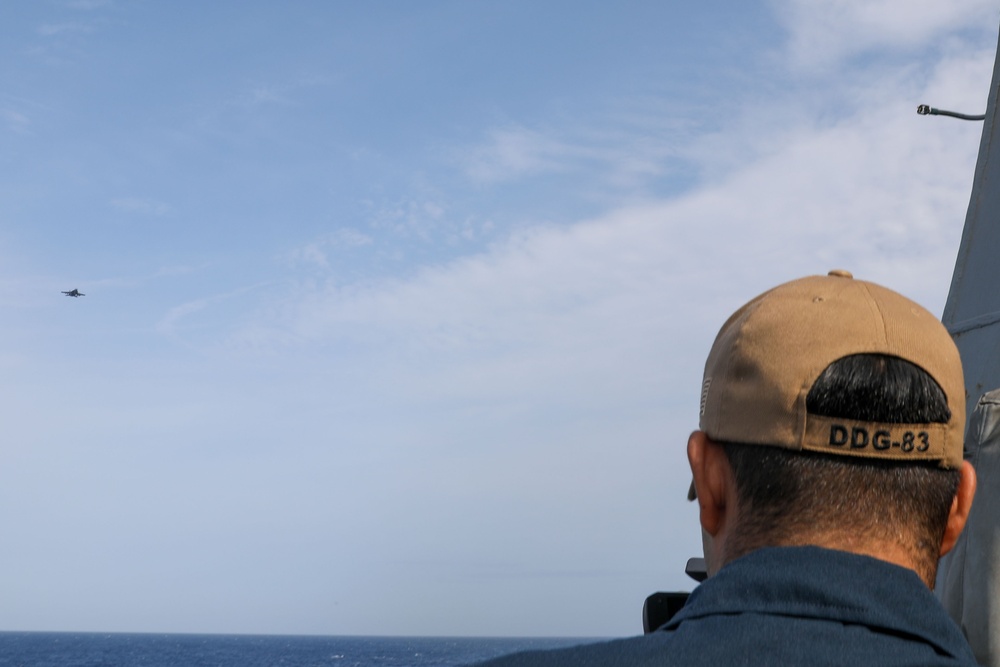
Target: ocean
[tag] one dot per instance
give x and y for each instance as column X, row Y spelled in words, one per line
column 64, row 649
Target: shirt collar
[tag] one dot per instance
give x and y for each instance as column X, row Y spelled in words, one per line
column 812, row 582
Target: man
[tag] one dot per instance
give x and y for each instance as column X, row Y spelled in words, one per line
column 829, row 477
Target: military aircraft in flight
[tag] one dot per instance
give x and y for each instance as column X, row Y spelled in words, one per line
column 74, row 292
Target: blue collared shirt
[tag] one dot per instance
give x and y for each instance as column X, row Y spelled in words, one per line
column 789, row 606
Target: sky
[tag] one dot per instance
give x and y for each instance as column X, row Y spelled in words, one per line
column 396, row 311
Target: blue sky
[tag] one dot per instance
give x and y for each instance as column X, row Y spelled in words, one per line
column 396, row 311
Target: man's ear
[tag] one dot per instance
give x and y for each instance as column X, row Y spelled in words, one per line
column 960, row 506
column 712, row 481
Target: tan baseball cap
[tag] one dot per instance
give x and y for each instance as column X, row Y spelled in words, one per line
column 770, row 352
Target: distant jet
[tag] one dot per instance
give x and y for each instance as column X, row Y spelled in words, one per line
column 74, row 292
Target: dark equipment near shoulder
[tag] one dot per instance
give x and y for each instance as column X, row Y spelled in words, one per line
column 660, row 607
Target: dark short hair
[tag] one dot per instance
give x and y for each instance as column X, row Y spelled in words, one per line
column 785, row 494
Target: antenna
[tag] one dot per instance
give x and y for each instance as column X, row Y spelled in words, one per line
column 925, row 110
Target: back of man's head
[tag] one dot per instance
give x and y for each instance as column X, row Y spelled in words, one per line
column 807, row 498
column 839, row 405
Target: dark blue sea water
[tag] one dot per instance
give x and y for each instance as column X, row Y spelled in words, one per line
column 60, row 649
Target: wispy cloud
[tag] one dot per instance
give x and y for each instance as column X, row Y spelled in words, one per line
column 88, row 5
column 168, row 324
column 621, row 152
column 15, row 121
column 267, row 94
column 823, row 32
column 283, row 93
column 514, row 152
column 413, row 218
column 54, row 29
column 316, row 253
column 869, row 192
column 140, row 206
column 626, row 152
column 171, row 322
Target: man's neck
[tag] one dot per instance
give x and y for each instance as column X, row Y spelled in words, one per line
column 890, row 552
